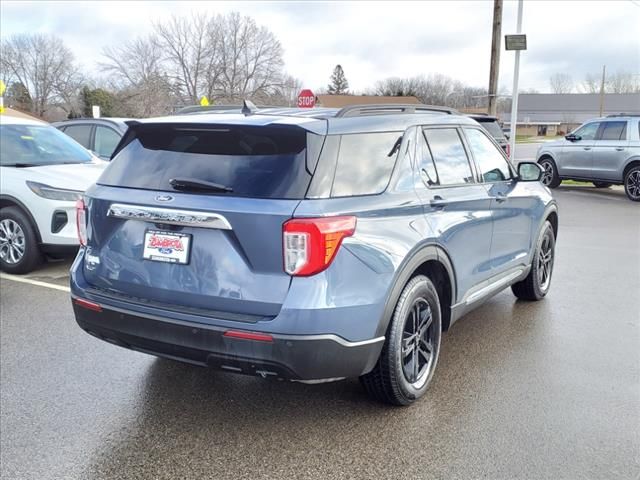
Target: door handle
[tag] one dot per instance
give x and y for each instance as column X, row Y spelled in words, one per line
column 587, row 148
column 438, row 202
column 501, row 197
column 619, row 149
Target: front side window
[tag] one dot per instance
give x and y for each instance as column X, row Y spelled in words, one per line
column 449, row 156
column 588, row 131
column 35, row 145
column 365, row 163
column 493, row 166
column 614, row 131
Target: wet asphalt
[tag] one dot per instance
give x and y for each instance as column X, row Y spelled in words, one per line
column 546, row 390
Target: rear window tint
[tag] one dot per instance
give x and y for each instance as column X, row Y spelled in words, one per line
column 260, row 162
column 494, row 129
column 614, row 131
column 365, row 162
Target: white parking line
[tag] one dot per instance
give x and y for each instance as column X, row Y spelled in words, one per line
column 15, row 278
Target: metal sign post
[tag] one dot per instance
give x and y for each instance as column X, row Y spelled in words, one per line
column 515, row 42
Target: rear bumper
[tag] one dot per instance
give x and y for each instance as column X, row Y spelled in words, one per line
column 294, row 357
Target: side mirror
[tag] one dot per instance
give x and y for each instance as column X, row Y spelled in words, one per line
column 573, row 138
column 529, row 172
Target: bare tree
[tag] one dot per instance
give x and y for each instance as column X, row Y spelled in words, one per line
column 251, row 59
column 136, row 73
column 191, row 47
column 287, row 93
column 561, row 83
column 591, row 83
column 619, row 82
column 45, row 66
column 623, row 82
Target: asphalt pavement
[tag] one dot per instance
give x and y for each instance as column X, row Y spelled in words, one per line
column 545, row 390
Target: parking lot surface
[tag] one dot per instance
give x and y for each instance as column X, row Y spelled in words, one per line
column 546, row 390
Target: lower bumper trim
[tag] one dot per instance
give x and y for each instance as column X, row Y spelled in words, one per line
column 295, row 357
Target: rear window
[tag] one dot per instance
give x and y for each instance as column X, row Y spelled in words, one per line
column 494, row 129
column 365, row 162
column 259, row 162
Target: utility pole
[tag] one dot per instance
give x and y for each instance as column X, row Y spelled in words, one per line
column 602, row 91
column 495, row 56
column 514, row 93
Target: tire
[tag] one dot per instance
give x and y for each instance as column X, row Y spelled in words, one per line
column 536, row 285
column 601, row 184
column 19, row 250
column 550, row 176
column 632, row 183
column 394, row 380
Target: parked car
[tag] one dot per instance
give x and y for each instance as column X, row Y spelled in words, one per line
column 42, row 174
column 100, row 135
column 491, row 125
column 308, row 248
column 605, row 151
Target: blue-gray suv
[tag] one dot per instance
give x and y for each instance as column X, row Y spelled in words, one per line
column 310, row 245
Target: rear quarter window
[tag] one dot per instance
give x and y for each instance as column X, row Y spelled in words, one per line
column 365, row 162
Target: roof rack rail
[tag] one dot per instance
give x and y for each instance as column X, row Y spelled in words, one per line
column 624, row 115
column 391, row 109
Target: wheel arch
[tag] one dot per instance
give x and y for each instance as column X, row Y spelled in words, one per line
column 632, row 162
column 9, row 201
column 432, row 261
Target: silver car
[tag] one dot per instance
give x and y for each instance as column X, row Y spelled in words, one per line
column 605, row 151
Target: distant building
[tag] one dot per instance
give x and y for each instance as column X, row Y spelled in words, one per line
column 339, row 101
column 550, row 113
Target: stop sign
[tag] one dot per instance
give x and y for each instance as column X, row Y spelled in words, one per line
column 306, row 99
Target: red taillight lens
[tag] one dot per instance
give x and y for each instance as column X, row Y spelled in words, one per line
column 311, row 244
column 81, row 222
column 254, row 336
column 88, row 305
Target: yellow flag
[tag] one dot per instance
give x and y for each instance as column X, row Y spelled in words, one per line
column 204, row 102
column 3, row 87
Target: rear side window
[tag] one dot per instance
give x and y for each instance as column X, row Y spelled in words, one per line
column 493, row 166
column 449, row 156
column 494, row 129
column 258, row 162
column 614, row 131
column 106, row 141
column 80, row 133
column 365, row 163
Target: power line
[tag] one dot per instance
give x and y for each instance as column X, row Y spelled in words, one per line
column 635, row 2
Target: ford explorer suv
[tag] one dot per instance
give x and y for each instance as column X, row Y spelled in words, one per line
column 605, row 151
column 309, row 245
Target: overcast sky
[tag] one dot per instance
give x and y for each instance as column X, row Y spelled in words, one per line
column 374, row 40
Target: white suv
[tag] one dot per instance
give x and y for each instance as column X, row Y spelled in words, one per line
column 43, row 173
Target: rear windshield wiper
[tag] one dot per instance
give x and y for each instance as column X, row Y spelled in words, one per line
column 194, row 185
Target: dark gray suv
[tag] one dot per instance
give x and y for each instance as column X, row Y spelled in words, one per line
column 309, row 245
column 605, row 151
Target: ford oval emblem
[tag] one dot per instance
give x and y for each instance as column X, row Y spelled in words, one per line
column 164, row 198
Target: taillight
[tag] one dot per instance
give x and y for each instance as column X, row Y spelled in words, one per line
column 81, row 222
column 311, row 244
column 508, row 150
